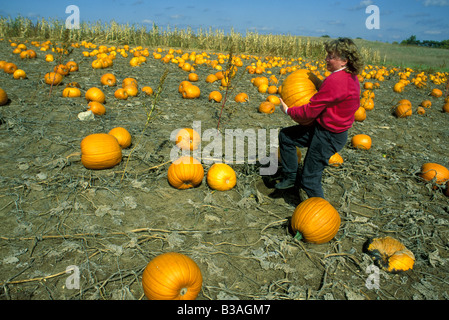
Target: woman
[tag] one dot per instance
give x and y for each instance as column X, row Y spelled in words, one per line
column 331, row 111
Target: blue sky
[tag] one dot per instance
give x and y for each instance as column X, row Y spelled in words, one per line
column 399, row 19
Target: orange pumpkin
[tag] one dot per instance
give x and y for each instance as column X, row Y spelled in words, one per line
column 10, row 67
column 100, row 151
column 95, row 94
column 185, row 172
column 221, row 176
column 172, row 276
column 3, row 97
column 187, row 139
column 360, row 114
column 436, row 93
column 211, row 78
column 147, row 90
column 403, row 108
column 108, row 79
column 215, row 96
column 367, row 103
column 191, row 92
column 315, row 220
column 72, row 66
column 390, row 254
column 19, row 74
column 193, row 77
column 267, row 107
column 121, row 94
column 128, row 81
column 62, row 69
column 426, row 104
column 70, row 92
column 122, row 135
column 97, row 108
column 361, row 141
column 446, row 107
column 131, row 90
column 336, row 160
column 53, row 78
column 274, row 99
column 434, row 172
column 241, row 97
column 299, row 87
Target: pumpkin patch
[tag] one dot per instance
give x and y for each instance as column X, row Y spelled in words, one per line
column 105, row 196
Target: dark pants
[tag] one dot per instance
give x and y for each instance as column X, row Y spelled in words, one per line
column 321, row 144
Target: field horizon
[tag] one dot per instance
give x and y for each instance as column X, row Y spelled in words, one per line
column 284, row 45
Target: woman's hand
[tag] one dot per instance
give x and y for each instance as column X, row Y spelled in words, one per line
column 283, row 106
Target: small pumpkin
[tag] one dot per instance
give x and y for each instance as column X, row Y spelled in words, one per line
column 390, row 254
column 215, row 96
column 274, row 99
column 361, row 141
column 185, row 172
column 403, row 108
column 129, row 81
column 426, row 104
column 187, row 139
column 100, row 151
column 108, row 79
column 191, row 92
column 122, row 135
column 95, row 94
column 241, row 97
column 193, row 77
column 267, row 107
column 436, row 93
column 96, row 107
column 172, row 276
column 131, row 90
column 62, row 69
column 420, row 110
column 360, row 114
column 315, row 220
column 336, row 160
column 3, row 97
column 121, row 94
column 434, row 172
column 19, row 74
column 147, row 90
column 211, row 78
column 221, row 176
column 446, row 107
column 70, row 92
column 53, row 78
column 72, row 66
column 10, row 67
column 367, row 103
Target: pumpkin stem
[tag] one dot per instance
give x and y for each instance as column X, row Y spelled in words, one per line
column 298, row 236
column 75, row 154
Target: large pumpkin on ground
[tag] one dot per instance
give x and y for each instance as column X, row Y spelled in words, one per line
column 185, row 172
column 299, row 87
column 221, row 176
column 315, row 220
column 172, row 276
column 100, row 151
column 434, row 171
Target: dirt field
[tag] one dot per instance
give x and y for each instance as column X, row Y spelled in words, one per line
column 110, row 223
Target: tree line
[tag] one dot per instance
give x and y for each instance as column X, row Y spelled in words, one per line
column 426, row 43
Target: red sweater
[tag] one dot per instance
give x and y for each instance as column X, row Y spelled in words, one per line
column 334, row 105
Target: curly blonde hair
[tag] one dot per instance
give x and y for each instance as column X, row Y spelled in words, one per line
column 346, row 49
